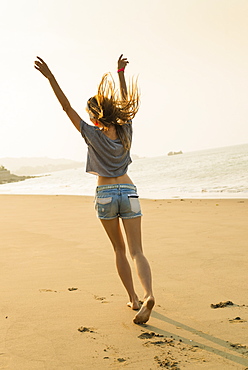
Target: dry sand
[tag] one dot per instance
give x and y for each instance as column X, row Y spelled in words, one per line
column 58, row 275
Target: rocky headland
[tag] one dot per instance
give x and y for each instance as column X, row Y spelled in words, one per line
column 6, row 176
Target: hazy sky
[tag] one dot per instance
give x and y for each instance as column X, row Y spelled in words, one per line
column 191, row 57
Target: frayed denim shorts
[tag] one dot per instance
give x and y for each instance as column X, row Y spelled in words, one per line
column 118, row 200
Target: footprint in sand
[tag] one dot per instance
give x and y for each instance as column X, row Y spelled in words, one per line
column 150, row 335
column 102, row 299
column 99, row 298
column 169, row 362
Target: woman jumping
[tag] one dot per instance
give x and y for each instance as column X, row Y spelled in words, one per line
column 109, row 142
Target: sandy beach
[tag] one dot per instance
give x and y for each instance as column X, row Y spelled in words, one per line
column 64, row 307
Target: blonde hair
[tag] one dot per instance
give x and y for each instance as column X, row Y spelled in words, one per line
column 110, row 108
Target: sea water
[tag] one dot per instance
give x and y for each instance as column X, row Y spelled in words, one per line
column 213, row 173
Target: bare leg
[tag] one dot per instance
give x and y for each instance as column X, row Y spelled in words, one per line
column 133, row 232
column 112, row 227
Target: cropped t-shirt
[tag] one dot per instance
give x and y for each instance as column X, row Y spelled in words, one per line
column 106, row 157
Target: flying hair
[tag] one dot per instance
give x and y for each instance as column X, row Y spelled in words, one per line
column 110, row 107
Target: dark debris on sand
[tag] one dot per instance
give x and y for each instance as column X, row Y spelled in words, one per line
column 240, row 347
column 222, row 304
column 237, row 319
column 83, row 329
column 121, row 359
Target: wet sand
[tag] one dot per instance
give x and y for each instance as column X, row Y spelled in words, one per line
column 64, row 307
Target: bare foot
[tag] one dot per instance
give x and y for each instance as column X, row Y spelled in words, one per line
column 134, row 305
column 144, row 313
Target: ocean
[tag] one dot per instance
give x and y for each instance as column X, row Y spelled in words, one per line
column 214, row 173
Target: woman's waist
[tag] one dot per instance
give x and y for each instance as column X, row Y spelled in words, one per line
column 124, row 179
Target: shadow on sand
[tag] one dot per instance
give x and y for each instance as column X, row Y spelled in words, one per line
column 241, row 350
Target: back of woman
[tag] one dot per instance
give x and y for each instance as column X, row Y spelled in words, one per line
column 109, row 141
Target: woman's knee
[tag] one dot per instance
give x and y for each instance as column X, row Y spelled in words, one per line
column 134, row 253
column 119, row 248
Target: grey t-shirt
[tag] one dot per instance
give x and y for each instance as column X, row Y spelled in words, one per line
column 106, row 157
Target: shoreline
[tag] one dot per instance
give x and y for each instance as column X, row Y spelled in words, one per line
column 175, row 197
column 58, row 276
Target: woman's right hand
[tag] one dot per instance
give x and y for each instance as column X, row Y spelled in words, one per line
column 122, row 62
column 43, row 68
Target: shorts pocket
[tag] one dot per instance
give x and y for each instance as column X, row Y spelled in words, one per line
column 104, row 207
column 104, row 200
column 134, row 203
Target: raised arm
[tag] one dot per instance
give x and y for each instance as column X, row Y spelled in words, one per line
column 41, row 66
column 122, row 62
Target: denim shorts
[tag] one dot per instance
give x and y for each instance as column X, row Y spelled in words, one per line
column 118, row 200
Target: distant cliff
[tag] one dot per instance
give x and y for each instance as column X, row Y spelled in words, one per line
column 6, row 176
column 37, row 166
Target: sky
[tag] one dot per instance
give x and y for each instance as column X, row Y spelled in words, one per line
column 190, row 57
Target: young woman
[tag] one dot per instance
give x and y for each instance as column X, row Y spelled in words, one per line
column 109, row 142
